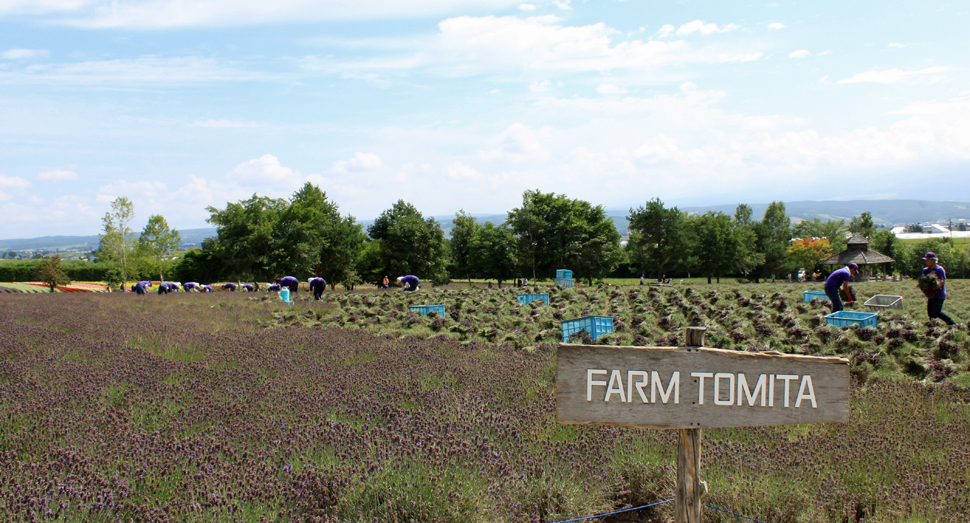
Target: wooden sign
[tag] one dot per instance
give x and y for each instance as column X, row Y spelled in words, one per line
column 694, row 387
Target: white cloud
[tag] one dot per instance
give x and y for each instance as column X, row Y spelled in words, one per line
column 144, row 70
column 540, row 87
column 14, row 182
column 359, row 163
column 460, row 171
column 801, row 53
column 59, row 176
column 265, row 170
column 564, row 5
column 22, row 54
column 4, row 196
column 223, row 124
column 665, row 30
column 610, row 89
column 698, row 26
column 527, row 7
column 776, row 25
column 518, row 143
column 891, row 76
column 160, row 14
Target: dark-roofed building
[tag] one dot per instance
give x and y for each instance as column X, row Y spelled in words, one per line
column 857, row 251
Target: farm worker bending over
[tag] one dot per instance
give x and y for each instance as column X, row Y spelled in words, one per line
column 138, row 288
column 229, row 287
column 409, row 282
column 248, row 287
column 292, row 283
column 145, row 284
column 318, row 285
column 274, row 287
column 934, row 304
column 192, row 286
column 206, row 288
column 839, row 278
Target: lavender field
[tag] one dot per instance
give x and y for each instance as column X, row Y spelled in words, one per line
column 226, row 407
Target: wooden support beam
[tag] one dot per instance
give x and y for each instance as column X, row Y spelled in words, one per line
column 689, row 487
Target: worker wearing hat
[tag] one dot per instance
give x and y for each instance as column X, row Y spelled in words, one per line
column 934, row 304
column 839, row 278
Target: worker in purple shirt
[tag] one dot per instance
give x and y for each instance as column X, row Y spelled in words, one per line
column 839, row 278
column 409, row 282
column 206, row 288
column 229, row 286
column 934, row 305
column 291, row 283
column 317, row 286
column 248, row 287
column 274, row 287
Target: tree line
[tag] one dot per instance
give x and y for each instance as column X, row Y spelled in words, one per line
column 262, row 238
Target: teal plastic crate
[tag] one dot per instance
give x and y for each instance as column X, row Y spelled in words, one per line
column 564, row 274
column 847, row 318
column 427, row 309
column 526, row 299
column 808, row 296
column 565, row 282
column 596, row 326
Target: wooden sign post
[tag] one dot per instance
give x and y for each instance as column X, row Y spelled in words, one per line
column 689, row 388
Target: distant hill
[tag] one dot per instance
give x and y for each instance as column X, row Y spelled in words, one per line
column 884, row 212
column 190, row 238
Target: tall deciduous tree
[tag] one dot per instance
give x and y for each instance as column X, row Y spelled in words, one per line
column 409, row 243
column 462, row 233
column 158, row 241
column 885, row 242
column 555, row 232
column 832, row 230
column 50, row 272
column 774, row 236
column 492, row 253
column 245, row 236
column 718, row 245
column 117, row 241
column 657, row 236
column 863, row 225
column 808, row 252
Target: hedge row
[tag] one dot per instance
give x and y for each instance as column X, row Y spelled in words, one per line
column 76, row 271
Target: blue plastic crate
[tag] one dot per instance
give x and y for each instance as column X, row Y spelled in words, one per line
column 427, row 309
column 526, row 299
column 564, row 274
column 596, row 326
column 846, row 318
column 808, row 296
column 565, row 282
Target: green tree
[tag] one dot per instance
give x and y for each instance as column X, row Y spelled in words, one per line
column 245, row 236
column 117, row 241
column 717, row 246
column 657, row 236
column 462, row 233
column 863, row 225
column 774, row 237
column 203, row 265
column 833, row 231
column 50, row 272
column 747, row 258
column 340, row 252
column 885, row 242
column 158, row 241
column 492, row 253
column 528, row 227
column 409, row 243
column 808, row 252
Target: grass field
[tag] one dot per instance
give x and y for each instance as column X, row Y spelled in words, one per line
column 231, row 407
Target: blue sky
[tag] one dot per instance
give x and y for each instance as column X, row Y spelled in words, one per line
column 464, row 104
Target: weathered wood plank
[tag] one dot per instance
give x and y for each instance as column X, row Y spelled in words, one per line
column 754, row 389
column 689, row 489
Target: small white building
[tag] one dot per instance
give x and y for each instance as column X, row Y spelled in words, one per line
column 898, row 230
column 935, row 228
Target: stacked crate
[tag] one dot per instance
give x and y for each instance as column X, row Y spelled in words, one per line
column 565, row 278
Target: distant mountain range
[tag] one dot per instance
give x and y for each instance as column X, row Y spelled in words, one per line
column 884, row 212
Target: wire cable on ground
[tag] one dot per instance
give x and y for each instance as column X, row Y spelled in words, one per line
column 732, row 513
column 615, row 512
